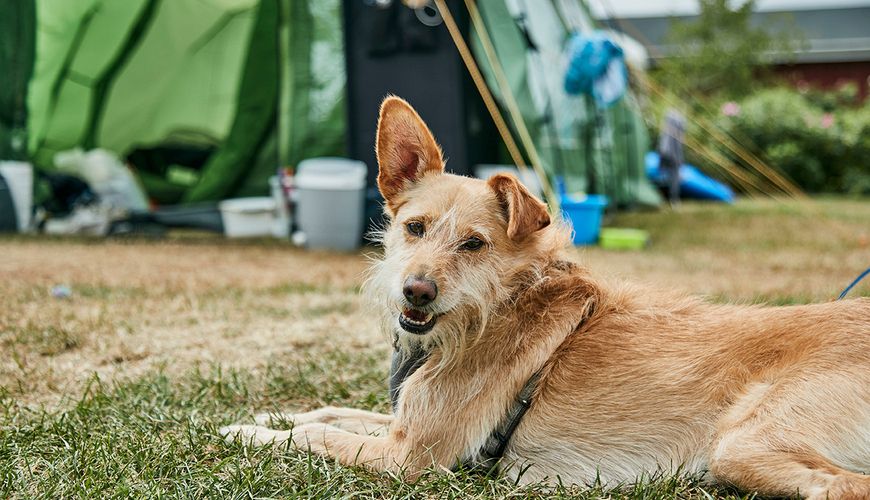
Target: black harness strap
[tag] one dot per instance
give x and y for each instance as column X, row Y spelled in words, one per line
column 498, row 440
column 404, row 364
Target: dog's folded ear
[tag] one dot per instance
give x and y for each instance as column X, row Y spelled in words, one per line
column 524, row 213
column 406, row 150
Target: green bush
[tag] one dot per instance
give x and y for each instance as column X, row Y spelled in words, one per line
column 821, row 146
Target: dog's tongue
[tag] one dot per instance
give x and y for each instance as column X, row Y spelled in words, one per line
column 416, row 315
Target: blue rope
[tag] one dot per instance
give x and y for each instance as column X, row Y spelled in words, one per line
column 852, row 285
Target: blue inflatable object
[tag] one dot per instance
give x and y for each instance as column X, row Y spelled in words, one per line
column 693, row 183
column 596, row 67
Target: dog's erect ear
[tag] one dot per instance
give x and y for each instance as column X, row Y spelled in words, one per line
column 525, row 214
column 406, row 149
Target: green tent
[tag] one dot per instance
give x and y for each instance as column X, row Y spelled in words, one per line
column 248, row 86
column 16, row 66
column 129, row 75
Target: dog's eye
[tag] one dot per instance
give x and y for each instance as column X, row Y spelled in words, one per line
column 415, row 228
column 472, row 244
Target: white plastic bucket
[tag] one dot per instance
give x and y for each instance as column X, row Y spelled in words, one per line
column 248, row 217
column 330, row 200
column 19, row 177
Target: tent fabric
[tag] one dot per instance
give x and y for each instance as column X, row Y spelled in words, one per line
column 316, row 120
column 183, row 76
column 17, row 47
column 180, row 74
column 591, row 150
column 75, row 42
column 205, row 74
column 107, row 77
column 255, row 114
column 248, row 86
column 311, row 121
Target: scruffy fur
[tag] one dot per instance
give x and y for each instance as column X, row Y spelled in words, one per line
column 770, row 399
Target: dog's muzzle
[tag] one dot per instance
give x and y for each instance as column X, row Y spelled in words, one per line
column 416, row 321
column 419, row 292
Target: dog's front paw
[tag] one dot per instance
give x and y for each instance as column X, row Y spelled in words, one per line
column 253, row 434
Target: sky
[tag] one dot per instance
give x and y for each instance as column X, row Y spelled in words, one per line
column 648, row 8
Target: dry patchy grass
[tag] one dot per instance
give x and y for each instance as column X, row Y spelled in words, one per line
column 136, row 305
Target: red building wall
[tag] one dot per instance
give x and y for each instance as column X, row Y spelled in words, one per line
column 829, row 75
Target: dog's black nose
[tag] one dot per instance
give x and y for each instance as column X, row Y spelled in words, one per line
column 419, row 291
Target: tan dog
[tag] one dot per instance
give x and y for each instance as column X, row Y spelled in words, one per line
column 770, row 399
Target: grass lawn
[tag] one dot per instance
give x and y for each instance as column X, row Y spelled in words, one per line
column 119, row 389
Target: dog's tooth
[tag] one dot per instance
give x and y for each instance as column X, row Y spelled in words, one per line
column 415, row 322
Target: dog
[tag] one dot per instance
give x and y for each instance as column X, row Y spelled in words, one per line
column 625, row 383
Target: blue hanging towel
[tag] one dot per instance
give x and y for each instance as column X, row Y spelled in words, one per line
column 596, row 67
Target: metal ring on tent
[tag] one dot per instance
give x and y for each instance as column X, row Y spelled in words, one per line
column 429, row 15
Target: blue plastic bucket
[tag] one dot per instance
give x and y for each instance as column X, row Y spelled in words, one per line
column 584, row 213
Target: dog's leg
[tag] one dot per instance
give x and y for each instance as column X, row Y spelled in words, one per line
column 375, row 452
column 746, row 463
column 356, row 421
column 379, row 453
column 437, row 435
column 770, row 439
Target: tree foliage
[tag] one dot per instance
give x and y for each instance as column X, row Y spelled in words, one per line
column 722, row 53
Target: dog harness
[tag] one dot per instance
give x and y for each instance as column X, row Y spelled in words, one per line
column 403, row 365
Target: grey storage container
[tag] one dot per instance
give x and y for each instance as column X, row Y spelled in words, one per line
column 330, row 199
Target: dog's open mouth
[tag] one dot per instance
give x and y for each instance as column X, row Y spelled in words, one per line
column 416, row 321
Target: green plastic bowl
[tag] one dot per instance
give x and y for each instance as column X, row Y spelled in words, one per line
column 614, row 238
